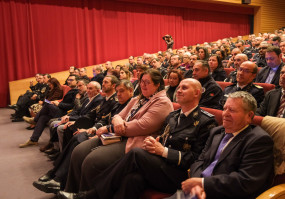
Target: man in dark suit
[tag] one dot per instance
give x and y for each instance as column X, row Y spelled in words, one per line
column 53, row 110
column 163, row 162
column 272, row 101
column 245, row 76
column 237, row 161
column 270, row 74
column 212, row 91
column 98, row 75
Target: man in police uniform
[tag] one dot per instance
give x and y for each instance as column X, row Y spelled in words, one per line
column 38, row 92
column 245, row 77
column 163, row 162
column 212, row 91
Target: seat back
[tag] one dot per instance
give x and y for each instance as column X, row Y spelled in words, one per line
column 217, row 113
column 165, row 82
column 176, row 106
column 266, row 87
column 229, row 70
column 65, row 90
column 223, row 85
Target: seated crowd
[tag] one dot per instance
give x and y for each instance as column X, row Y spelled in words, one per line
column 158, row 147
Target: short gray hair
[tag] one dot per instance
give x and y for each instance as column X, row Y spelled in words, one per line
column 96, row 85
column 249, row 102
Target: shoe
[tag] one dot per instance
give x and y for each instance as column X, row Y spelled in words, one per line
column 66, row 195
column 46, row 147
column 53, row 156
column 29, row 120
column 45, row 178
column 30, row 128
column 50, row 186
column 51, row 151
column 14, row 106
column 17, row 119
column 28, row 143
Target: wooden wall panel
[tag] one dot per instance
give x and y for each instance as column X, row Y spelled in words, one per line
column 269, row 15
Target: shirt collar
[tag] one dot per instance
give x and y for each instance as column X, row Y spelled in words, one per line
column 188, row 112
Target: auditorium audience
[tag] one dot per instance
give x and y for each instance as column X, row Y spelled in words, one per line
column 98, row 76
column 217, row 71
column 231, row 59
column 156, row 64
column 188, row 73
column 242, row 167
column 186, row 61
column 135, row 122
column 212, row 91
column 109, row 67
column 174, row 78
column 52, row 110
column 140, row 70
column 83, row 74
column 246, row 74
column 55, row 92
column 162, row 162
column 259, row 58
column 238, row 60
column 125, row 74
column 38, row 92
column 203, row 53
column 56, row 177
column 274, row 101
column 90, row 99
column 271, row 73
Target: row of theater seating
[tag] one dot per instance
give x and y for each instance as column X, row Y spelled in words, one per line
column 278, row 187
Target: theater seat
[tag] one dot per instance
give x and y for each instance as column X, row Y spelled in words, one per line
column 217, row 113
column 65, row 89
column 266, row 87
column 165, row 82
column 223, row 85
column 229, row 70
column 176, row 106
column 152, row 194
column 134, row 73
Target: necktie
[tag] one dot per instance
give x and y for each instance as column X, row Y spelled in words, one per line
column 182, row 118
column 209, row 170
column 281, row 107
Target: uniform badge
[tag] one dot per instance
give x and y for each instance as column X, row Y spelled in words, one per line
column 43, row 90
column 196, row 123
column 211, row 126
column 186, row 147
column 195, row 114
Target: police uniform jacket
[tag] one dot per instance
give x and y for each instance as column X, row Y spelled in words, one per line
column 219, row 74
column 212, row 93
column 232, row 77
column 255, row 90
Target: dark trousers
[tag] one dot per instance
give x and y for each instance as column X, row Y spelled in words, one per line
column 128, row 177
column 89, row 159
column 48, row 112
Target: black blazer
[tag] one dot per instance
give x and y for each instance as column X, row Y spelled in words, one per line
column 245, row 168
column 68, row 100
column 270, row 104
column 85, row 109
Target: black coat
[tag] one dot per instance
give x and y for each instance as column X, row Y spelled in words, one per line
column 264, row 72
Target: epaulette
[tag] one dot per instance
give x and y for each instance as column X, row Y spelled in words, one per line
column 257, row 86
column 207, row 113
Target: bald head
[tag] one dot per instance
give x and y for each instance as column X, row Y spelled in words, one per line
column 246, row 73
column 239, row 59
column 189, row 94
column 93, row 88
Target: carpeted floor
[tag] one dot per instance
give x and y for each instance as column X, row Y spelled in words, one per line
column 20, row 167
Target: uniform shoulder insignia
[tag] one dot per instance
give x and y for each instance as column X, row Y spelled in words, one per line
column 257, row 86
column 207, row 113
column 43, row 90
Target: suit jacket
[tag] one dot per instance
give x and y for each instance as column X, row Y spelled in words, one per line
column 244, row 169
column 98, row 78
column 255, row 90
column 263, row 73
column 147, row 121
column 74, row 115
column 68, row 101
column 270, row 104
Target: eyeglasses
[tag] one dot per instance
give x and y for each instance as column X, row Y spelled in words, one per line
column 244, row 70
column 71, row 80
column 145, row 82
column 262, row 48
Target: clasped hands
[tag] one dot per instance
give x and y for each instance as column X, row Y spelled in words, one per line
column 194, row 186
column 153, row 146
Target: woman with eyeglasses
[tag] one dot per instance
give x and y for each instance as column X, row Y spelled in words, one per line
column 143, row 116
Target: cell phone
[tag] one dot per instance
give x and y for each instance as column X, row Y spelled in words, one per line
column 47, row 101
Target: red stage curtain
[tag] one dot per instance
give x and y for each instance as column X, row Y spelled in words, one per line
column 48, row 36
